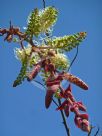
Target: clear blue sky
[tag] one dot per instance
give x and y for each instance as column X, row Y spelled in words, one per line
column 22, row 111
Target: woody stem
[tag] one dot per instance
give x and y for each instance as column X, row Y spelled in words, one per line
column 64, row 120
column 44, row 3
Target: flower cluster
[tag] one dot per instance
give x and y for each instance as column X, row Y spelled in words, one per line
column 22, row 53
column 61, row 61
column 67, row 43
column 40, row 21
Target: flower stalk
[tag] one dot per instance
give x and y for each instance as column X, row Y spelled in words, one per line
column 64, row 120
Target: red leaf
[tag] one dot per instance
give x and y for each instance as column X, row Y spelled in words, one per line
column 77, row 121
column 53, row 88
column 84, row 116
column 75, row 80
column 81, row 123
column 81, row 106
column 69, row 88
column 85, row 125
column 62, row 105
column 34, row 72
column 48, row 98
column 67, row 110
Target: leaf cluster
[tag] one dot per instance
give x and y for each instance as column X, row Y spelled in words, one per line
column 67, row 43
column 40, row 21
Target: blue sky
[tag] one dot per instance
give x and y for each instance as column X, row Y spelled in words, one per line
column 22, row 111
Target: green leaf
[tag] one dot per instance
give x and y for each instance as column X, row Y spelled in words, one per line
column 15, row 40
column 67, row 43
column 33, row 27
column 22, row 74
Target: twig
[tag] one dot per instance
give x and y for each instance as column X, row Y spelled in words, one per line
column 73, row 59
column 21, row 43
column 55, row 102
column 44, row 5
column 97, row 132
column 89, row 134
column 64, row 120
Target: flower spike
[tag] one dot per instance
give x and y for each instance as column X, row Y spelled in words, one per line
column 75, row 80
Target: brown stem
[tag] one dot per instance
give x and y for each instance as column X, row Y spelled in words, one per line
column 73, row 59
column 97, row 132
column 44, row 4
column 64, row 120
column 91, row 128
column 21, row 43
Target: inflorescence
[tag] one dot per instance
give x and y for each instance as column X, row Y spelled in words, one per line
column 48, row 58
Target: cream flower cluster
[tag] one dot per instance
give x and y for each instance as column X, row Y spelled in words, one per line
column 61, row 61
column 21, row 54
column 39, row 21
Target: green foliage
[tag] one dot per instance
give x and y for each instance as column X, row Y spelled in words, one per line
column 67, row 43
column 41, row 21
column 34, row 24
column 57, row 94
column 15, row 40
column 22, row 73
column 33, row 60
column 48, row 17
